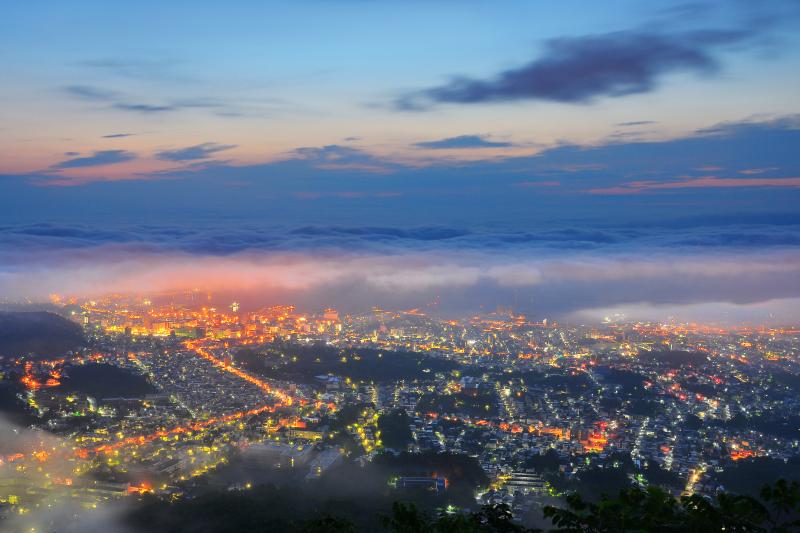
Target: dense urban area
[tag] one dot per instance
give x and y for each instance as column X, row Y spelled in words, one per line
column 172, row 399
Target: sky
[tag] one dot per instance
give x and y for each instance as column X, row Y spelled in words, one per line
column 567, row 159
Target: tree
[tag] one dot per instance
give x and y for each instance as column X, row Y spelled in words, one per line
column 654, row 509
column 634, row 510
column 406, row 518
column 328, row 524
column 784, row 500
column 394, row 428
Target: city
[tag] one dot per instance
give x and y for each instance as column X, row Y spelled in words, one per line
column 209, row 396
column 347, row 266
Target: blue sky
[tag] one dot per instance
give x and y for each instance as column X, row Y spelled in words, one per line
column 496, row 133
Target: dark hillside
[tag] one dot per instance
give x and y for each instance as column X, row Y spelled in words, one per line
column 40, row 333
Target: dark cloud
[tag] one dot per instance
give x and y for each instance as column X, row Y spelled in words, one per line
column 580, row 69
column 462, row 141
column 118, row 135
column 192, row 153
column 103, row 157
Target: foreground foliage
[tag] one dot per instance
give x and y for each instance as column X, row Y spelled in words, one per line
column 633, row 510
column 778, row 510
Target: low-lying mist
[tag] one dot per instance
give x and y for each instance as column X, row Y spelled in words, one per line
column 579, row 275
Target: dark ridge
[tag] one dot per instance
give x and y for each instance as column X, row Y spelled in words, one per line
column 106, row 381
column 304, row 363
column 40, row 334
column 675, row 358
column 11, row 407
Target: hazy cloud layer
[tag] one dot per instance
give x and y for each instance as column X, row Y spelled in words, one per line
column 554, row 273
column 705, row 219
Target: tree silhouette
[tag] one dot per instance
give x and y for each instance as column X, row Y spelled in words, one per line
column 654, row 509
column 406, row 518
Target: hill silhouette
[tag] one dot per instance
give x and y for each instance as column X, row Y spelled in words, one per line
column 674, row 358
column 39, row 333
column 106, row 381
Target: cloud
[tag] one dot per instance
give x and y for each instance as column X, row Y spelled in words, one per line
column 750, row 171
column 356, row 267
column 103, row 157
column 120, row 102
column 580, row 69
column 88, row 92
column 353, row 187
column 160, row 69
column 336, row 157
column 545, row 183
column 463, row 141
column 143, row 108
column 703, row 182
column 353, row 195
column 192, row 153
column 635, row 123
column 118, row 135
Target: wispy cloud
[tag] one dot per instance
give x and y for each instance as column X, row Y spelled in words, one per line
column 192, row 153
column 148, row 69
column 353, row 195
column 337, row 157
column 143, row 108
column 121, row 102
column 88, row 92
column 544, row 183
column 751, row 171
column 97, row 159
column 635, row 123
column 703, row 182
column 462, row 141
